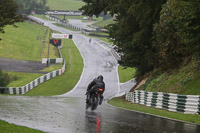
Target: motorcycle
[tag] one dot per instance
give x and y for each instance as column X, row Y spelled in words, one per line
column 95, row 99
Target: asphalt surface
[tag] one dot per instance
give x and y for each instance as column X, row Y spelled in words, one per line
column 78, row 23
column 7, row 64
column 67, row 113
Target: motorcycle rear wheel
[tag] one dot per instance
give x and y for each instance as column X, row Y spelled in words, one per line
column 94, row 103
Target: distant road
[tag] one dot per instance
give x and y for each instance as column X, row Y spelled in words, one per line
column 98, row 60
column 80, row 24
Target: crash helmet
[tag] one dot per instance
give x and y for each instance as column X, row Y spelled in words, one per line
column 100, row 77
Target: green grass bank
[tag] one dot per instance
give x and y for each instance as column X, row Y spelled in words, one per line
column 65, row 82
column 65, row 27
column 6, row 127
column 104, row 23
column 185, row 80
column 26, row 48
column 25, row 42
column 126, row 74
column 19, row 79
column 70, row 5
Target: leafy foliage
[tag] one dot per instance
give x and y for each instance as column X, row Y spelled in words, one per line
column 8, row 15
column 94, row 7
column 4, row 79
column 132, row 30
column 26, row 6
column 152, row 34
column 177, row 34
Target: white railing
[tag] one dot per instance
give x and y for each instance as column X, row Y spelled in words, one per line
column 189, row 104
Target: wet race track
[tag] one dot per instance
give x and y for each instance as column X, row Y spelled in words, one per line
column 67, row 113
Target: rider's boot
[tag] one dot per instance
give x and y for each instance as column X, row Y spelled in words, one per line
column 87, row 99
column 101, row 100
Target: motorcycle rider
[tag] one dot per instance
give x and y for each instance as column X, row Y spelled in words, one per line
column 93, row 86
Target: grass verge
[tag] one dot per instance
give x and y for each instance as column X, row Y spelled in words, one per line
column 104, row 23
column 65, row 27
column 65, row 82
column 41, row 16
column 100, row 33
column 69, row 17
column 20, row 79
column 126, row 74
column 105, row 39
column 52, row 68
column 69, row 5
column 120, row 102
column 185, row 80
column 28, row 48
column 6, row 127
column 25, row 42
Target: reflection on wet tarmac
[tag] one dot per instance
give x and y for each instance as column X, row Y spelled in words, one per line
column 93, row 121
column 68, row 115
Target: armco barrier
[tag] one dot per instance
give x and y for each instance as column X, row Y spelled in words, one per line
column 31, row 85
column 59, row 21
column 188, row 104
column 84, row 31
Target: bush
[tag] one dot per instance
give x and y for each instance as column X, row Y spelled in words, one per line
column 177, row 35
column 4, row 79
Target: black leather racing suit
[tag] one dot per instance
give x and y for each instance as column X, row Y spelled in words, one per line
column 94, row 85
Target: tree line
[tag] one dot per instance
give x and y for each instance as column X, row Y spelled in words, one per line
column 152, row 34
column 26, row 6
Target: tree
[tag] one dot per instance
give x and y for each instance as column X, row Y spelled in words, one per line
column 26, row 6
column 8, row 15
column 95, row 7
column 177, row 35
column 4, row 79
column 132, row 30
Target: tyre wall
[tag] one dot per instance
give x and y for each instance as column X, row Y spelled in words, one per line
column 188, row 104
